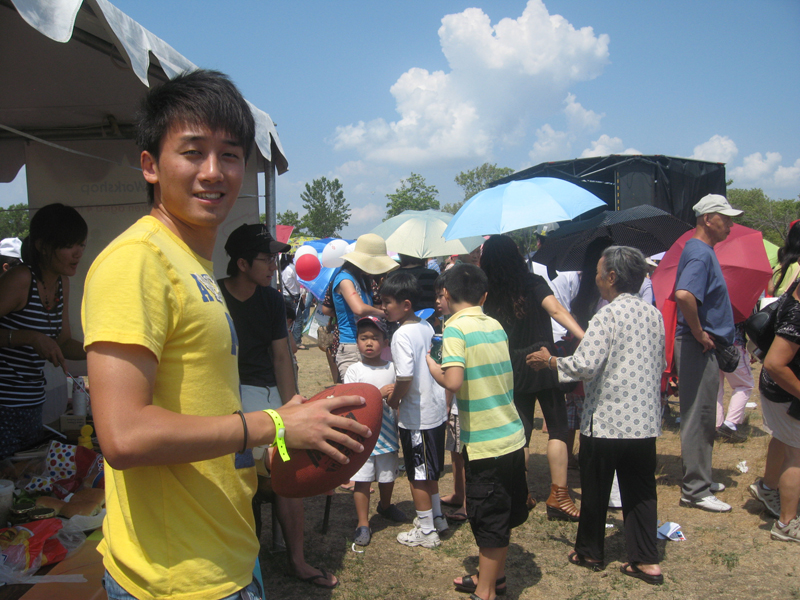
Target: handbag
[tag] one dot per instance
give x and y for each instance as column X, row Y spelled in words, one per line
column 727, row 355
column 760, row 328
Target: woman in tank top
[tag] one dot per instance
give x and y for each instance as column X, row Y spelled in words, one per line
column 34, row 321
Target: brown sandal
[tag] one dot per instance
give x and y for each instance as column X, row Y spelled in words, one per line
column 560, row 506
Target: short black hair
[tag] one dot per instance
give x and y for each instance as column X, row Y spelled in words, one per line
column 368, row 324
column 248, row 255
column 466, row 283
column 440, row 284
column 402, row 286
column 291, row 313
column 200, row 97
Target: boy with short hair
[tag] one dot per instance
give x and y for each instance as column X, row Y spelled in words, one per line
column 422, row 410
column 381, row 466
column 476, row 366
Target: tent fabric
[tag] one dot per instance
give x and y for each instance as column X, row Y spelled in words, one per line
column 624, row 181
column 73, row 73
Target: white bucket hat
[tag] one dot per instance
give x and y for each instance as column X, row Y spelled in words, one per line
column 370, row 255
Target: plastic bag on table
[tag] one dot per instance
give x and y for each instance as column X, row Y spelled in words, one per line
column 27, row 547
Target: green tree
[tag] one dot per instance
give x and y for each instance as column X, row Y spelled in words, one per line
column 413, row 194
column 770, row 217
column 326, row 209
column 291, row 218
column 476, row 180
column 14, row 221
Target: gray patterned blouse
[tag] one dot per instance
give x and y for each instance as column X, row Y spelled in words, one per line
column 620, row 361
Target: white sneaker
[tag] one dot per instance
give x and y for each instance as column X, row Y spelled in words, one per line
column 415, row 537
column 769, row 498
column 789, row 533
column 439, row 522
column 716, row 487
column 709, row 503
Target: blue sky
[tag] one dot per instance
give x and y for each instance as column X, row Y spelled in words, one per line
column 371, row 91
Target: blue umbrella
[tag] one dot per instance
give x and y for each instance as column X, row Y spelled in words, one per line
column 520, row 204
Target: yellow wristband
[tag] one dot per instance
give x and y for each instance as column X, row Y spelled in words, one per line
column 280, row 433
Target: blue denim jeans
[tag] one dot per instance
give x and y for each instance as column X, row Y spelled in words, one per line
column 116, row 592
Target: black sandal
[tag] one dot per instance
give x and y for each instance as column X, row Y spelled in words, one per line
column 582, row 561
column 636, row 572
column 469, row 586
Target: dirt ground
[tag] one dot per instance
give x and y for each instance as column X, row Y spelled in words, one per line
column 724, row 556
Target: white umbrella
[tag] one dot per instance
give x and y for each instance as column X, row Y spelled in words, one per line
column 418, row 233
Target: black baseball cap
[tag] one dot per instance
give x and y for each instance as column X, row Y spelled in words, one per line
column 256, row 237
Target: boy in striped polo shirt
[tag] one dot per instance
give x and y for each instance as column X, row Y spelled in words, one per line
column 476, row 366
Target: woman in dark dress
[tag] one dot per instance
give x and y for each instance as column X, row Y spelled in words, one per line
column 523, row 303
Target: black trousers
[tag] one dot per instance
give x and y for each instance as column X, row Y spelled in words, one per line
column 635, row 464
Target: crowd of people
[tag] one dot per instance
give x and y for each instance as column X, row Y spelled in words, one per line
column 192, row 377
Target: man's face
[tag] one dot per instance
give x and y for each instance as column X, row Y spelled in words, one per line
column 197, row 176
column 719, row 226
column 370, row 342
column 262, row 269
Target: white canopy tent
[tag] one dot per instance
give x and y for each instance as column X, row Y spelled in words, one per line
column 73, row 74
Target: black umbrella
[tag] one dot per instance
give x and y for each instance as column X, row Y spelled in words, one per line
column 645, row 227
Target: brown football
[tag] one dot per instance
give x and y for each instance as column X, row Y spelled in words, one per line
column 310, row 472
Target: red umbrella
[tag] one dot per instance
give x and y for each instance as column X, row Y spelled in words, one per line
column 745, row 267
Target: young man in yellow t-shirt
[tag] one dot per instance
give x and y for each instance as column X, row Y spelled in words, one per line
column 162, row 354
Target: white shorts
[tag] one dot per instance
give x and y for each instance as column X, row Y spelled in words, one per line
column 783, row 428
column 255, row 398
column 381, row 468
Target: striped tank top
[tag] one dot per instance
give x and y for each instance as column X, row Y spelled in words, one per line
column 21, row 369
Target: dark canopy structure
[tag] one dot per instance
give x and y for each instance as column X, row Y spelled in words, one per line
column 624, row 181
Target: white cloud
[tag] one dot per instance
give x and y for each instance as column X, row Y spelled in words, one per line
column 579, row 118
column 756, row 168
column 550, row 145
column 788, row 176
column 766, row 171
column 605, row 145
column 501, row 78
column 720, row 148
column 370, row 214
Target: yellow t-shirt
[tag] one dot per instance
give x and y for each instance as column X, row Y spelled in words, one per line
column 181, row 531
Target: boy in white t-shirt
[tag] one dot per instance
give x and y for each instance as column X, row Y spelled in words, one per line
column 422, row 417
column 381, row 466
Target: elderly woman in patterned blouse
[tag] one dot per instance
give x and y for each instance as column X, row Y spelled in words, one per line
column 620, row 361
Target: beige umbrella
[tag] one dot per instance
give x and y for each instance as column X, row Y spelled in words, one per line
column 418, row 233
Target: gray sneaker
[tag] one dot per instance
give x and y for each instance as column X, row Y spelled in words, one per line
column 439, row 522
column 709, row 503
column 415, row 537
column 363, row 536
column 393, row 513
column 771, row 499
column 789, row 533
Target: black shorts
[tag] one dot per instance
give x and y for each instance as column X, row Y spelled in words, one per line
column 423, row 452
column 554, row 411
column 496, row 491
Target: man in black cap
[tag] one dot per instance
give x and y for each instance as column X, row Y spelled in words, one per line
column 266, row 371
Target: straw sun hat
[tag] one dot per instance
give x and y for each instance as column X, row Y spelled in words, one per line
column 370, row 255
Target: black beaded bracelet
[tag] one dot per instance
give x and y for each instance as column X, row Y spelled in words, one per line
column 244, row 424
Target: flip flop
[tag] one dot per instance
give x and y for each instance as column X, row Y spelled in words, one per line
column 639, row 574
column 323, row 577
column 469, row 586
column 458, row 517
column 582, row 561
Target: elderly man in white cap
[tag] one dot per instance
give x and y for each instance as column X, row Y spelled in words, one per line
column 704, row 315
column 10, row 253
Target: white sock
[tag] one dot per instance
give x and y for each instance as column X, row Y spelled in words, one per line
column 765, row 486
column 436, row 505
column 780, row 525
column 425, row 521
column 730, row 425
